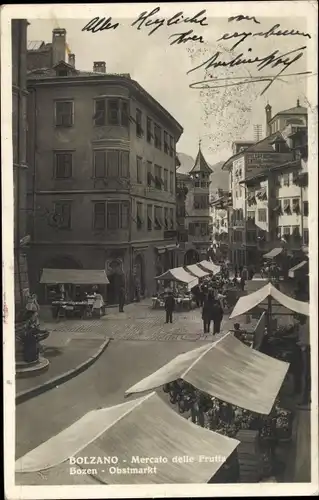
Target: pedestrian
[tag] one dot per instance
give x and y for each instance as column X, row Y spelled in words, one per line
column 242, row 283
column 121, row 298
column 236, row 270
column 169, row 307
column 217, row 316
column 207, row 312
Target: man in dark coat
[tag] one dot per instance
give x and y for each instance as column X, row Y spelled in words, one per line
column 217, row 316
column 121, row 299
column 207, row 312
column 169, row 307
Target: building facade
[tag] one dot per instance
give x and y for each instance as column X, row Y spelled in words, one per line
column 219, row 225
column 102, row 178
column 19, row 142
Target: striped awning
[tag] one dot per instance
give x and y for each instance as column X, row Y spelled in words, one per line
column 273, row 253
column 208, row 265
column 132, row 432
column 197, row 271
column 74, row 277
column 176, row 274
column 166, row 248
column 298, row 267
column 226, row 369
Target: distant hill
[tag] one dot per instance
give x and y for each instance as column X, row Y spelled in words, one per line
column 219, row 177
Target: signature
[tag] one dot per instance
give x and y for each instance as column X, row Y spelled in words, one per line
column 273, row 31
column 100, row 24
column 147, row 19
column 273, row 60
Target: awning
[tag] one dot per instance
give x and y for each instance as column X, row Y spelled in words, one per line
column 146, row 427
column 197, row 271
column 209, row 266
column 248, row 302
column 291, row 272
column 226, row 369
column 273, row 253
column 165, row 248
column 74, row 277
column 176, row 274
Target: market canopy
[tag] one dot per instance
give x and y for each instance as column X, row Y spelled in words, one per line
column 74, row 277
column 197, row 271
column 145, row 427
column 249, row 302
column 176, row 274
column 226, row 369
column 292, row 271
column 273, row 253
column 209, row 266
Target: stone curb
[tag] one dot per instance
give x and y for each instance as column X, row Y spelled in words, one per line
column 23, row 396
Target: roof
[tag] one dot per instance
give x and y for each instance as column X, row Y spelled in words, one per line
column 262, row 146
column 209, row 266
column 35, row 45
column 144, row 427
column 297, row 110
column 304, row 264
column 226, row 369
column 176, row 274
column 197, row 271
column 49, row 74
column 249, row 302
column 201, row 164
column 74, row 277
column 262, row 175
column 273, row 253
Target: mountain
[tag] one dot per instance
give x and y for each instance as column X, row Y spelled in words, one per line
column 219, row 177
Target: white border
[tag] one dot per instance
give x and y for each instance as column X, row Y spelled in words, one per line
column 85, row 11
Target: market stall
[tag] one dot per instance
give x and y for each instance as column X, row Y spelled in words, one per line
column 75, row 292
column 180, row 282
column 301, row 267
column 209, row 266
column 273, row 253
column 197, row 271
column 159, row 432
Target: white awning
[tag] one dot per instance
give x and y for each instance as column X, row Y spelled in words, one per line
column 197, row 271
column 273, row 253
column 146, row 427
column 209, row 266
column 226, row 369
column 74, row 277
column 291, row 272
column 248, row 302
column 176, row 274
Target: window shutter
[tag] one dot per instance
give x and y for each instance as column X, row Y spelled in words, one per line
column 113, row 163
column 113, row 215
column 124, row 113
column 99, row 215
column 99, row 164
column 124, row 215
column 66, row 215
column 124, row 170
column 100, row 108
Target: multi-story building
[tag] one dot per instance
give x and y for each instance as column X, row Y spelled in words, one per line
column 102, row 173
column 19, row 144
column 219, row 224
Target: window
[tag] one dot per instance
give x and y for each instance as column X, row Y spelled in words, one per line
column 238, row 236
column 296, row 205
column 125, row 211
column 262, row 215
column 99, row 215
column 139, row 215
column 165, row 179
column 62, row 214
column 149, row 217
column 306, row 236
column 286, row 231
column 64, row 114
column 251, row 237
column 113, row 215
column 62, row 72
column 124, row 164
column 172, row 218
column 99, row 164
column 171, row 182
column 305, row 208
column 63, row 165
column 171, row 146
column 201, row 201
column 285, row 179
column 251, row 215
column 125, row 113
column 158, row 177
column 191, row 229
column 113, row 111
column 139, row 173
column 100, row 112
column 113, row 163
column 157, row 136
column 158, row 218
column 149, row 134
column 150, row 178
column 166, row 222
column 166, row 145
column 286, row 206
column 139, row 130
column 295, row 231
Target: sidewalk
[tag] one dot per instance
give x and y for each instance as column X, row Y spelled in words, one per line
column 69, row 353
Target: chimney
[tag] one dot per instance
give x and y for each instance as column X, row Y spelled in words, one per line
column 58, row 45
column 268, row 118
column 99, row 67
column 298, row 103
column 72, row 60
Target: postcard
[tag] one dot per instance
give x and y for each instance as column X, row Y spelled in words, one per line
column 160, row 256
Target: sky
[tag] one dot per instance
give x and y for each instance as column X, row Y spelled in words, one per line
column 216, row 116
